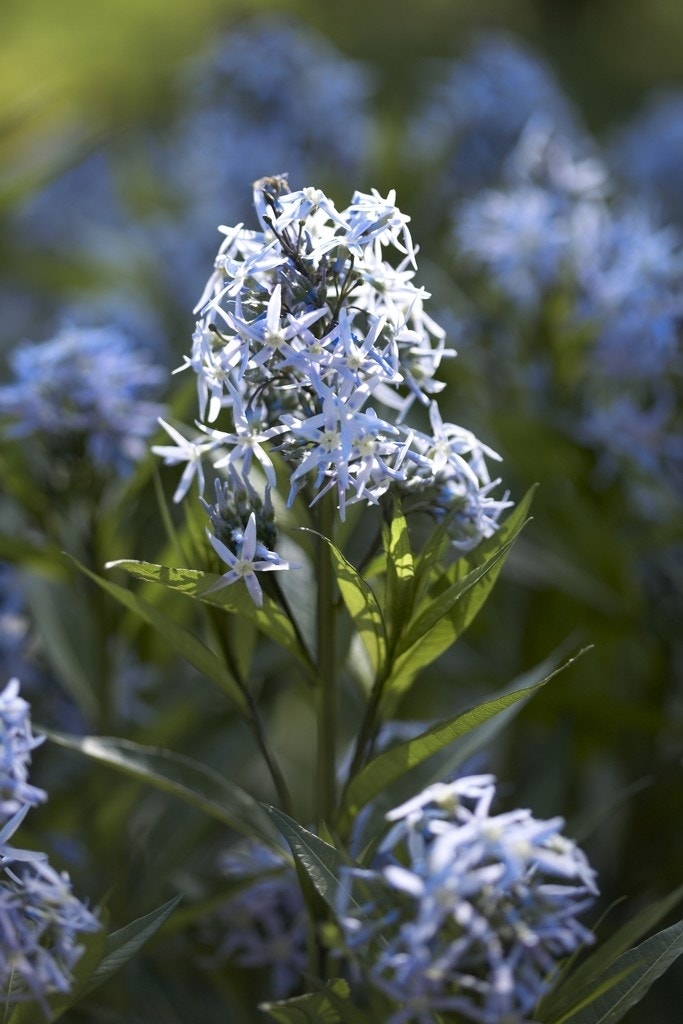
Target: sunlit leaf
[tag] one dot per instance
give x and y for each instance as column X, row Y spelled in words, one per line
column 443, row 764
column 439, row 619
column 400, row 577
column 392, row 764
column 270, row 619
column 362, row 606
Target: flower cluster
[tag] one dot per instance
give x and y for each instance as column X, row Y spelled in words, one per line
column 89, row 387
column 647, row 152
column 271, row 92
column 464, row 910
column 477, row 107
column 312, row 344
column 40, row 918
column 264, row 923
column 552, row 228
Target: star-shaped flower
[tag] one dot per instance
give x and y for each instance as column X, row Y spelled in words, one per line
column 245, row 565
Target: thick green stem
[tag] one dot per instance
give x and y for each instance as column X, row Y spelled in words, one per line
column 327, row 668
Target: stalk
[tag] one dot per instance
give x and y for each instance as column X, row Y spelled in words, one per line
column 327, row 696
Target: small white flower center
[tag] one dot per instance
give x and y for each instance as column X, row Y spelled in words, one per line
column 330, row 440
column 366, row 444
column 274, row 339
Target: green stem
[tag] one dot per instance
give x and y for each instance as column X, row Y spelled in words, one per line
column 274, row 769
column 254, row 720
column 327, row 668
column 368, row 727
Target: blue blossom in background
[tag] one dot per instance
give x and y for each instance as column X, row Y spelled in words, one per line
column 463, row 910
column 79, row 204
column 520, row 236
column 647, row 152
column 271, row 93
column 538, row 227
column 264, row 923
column 557, row 225
column 474, row 113
column 79, row 243
column 40, row 918
column 89, row 385
column 632, row 295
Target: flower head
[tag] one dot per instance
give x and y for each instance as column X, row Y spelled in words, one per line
column 311, row 347
column 264, row 923
column 17, row 743
column 467, row 911
column 90, row 386
column 40, row 918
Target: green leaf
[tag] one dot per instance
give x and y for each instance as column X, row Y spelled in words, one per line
column 576, row 985
column 439, row 620
column 442, row 765
column 322, row 862
column 392, row 764
column 179, row 638
column 361, row 605
column 400, row 578
column 624, row 983
column 432, row 610
column 312, row 1008
column 510, row 528
column 193, row 782
column 270, row 619
column 123, row 944
column 64, row 622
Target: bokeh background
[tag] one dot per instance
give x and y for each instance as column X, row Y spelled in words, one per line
column 128, row 131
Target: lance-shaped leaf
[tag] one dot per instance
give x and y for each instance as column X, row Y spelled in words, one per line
column 321, row 861
column 123, row 944
column 361, row 605
column 270, row 619
column 575, row 985
column 444, row 763
column 180, row 639
column 392, row 764
column 624, row 983
column 440, row 619
column 193, row 782
column 400, row 574
column 436, row 608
